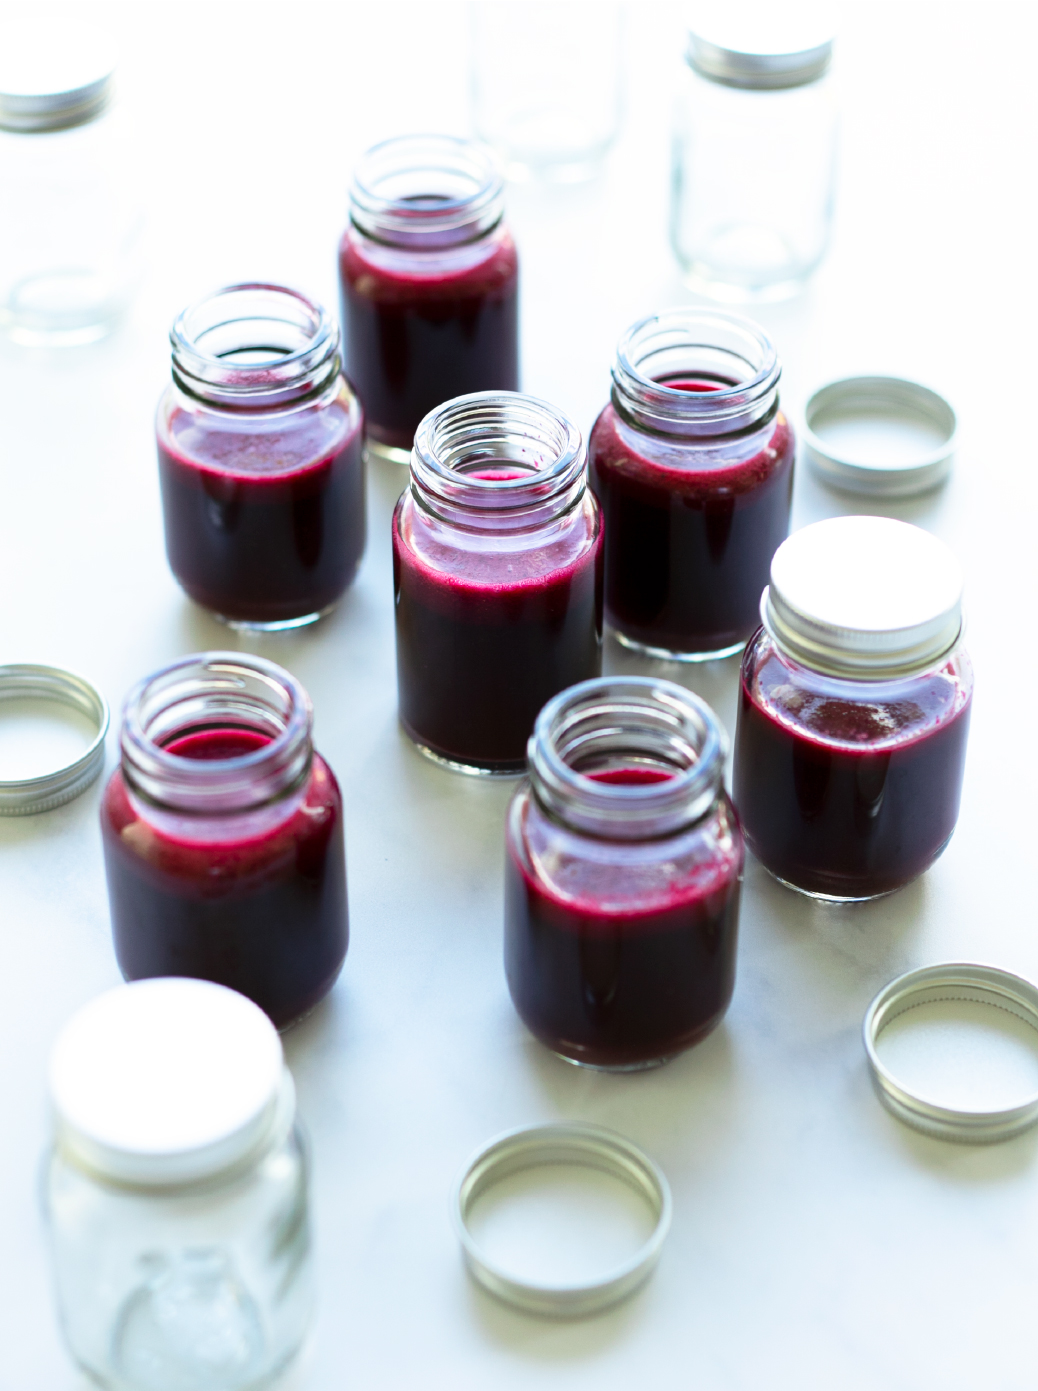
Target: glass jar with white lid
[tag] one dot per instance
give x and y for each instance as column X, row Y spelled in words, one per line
column 755, row 149
column 854, row 709
column 176, row 1191
column 71, row 233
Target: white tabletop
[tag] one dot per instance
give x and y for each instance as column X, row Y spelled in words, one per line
column 816, row 1241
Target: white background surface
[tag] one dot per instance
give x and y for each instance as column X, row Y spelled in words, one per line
column 816, row 1242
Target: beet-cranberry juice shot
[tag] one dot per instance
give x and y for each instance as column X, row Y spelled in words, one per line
column 429, row 279
column 497, row 577
column 854, row 710
column 223, row 836
column 622, row 877
column 692, row 462
column 259, row 444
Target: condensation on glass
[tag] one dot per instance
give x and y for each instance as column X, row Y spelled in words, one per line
column 754, row 151
column 176, row 1192
column 72, row 221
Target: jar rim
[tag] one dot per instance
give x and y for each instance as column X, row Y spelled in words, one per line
column 470, row 204
column 207, row 787
column 299, row 357
column 669, row 724
column 720, row 343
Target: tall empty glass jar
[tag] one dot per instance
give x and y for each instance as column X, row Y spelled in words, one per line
column 70, row 228
column 176, row 1192
column 754, row 156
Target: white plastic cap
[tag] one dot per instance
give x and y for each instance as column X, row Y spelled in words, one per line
column 864, row 597
column 168, row 1081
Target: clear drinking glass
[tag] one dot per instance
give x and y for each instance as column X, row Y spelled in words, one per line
column 546, row 85
column 754, row 153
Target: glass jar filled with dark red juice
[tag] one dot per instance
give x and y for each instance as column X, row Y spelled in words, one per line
column 854, row 709
column 622, row 875
column 429, row 279
column 497, row 548
column 259, row 441
column 692, row 461
column 223, row 835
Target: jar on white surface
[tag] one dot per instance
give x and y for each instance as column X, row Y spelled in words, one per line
column 176, row 1191
column 70, row 231
column 754, row 154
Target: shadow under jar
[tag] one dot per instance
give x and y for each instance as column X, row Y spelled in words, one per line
column 223, row 835
column 430, row 280
column 260, row 459
column 622, row 875
column 854, row 710
column 497, row 547
column 692, row 462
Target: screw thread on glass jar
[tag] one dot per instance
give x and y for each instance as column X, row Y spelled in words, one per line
column 692, row 461
column 623, row 874
column 497, row 546
column 429, row 279
column 854, row 709
column 259, row 446
column 223, row 835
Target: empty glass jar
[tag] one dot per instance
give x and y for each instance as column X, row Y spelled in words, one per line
column 754, row 155
column 176, row 1191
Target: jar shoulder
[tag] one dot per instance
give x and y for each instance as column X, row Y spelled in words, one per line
column 488, row 266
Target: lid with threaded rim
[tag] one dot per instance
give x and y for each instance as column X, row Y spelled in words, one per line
column 864, row 597
column 53, row 74
column 168, row 1081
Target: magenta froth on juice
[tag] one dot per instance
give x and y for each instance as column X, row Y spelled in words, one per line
column 622, row 875
column 259, row 446
column 497, row 577
column 429, row 280
column 223, row 835
column 692, row 462
column 854, row 709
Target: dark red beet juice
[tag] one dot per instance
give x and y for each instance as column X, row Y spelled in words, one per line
column 260, row 460
column 497, row 580
column 621, row 921
column 692, row 462
column 849, row 797
column 429, row 279
column 248, row 887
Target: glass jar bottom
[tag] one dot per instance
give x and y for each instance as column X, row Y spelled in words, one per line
column 61, row 308
column 376, row 451
column 645, row 1066
column 281, row 625
column 454, row 765
column 666, row 654
column 833, row 898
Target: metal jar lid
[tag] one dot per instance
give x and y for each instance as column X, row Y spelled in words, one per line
column 53, row 786
column 54, row 74
column 866, row 598
column 879, row 436
column 761, row 48
column 585, row 1146
column 952, row 983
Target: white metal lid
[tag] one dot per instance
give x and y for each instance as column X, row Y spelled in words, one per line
column 52, row 737
column 865, row 597
column 881, row 436
column 981, row 1023
column 761, row 46
column 582, row 1147
column 54, row 73
column 168, row 1081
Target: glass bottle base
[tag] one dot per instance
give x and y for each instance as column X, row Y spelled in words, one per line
column 666, row 654
column 375, row 450
column 473, row 770
column 832, row 898
column 281, row 625
column 616, row 1067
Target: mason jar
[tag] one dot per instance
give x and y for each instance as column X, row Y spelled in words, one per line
column 430, row 284
column 72, row 225
column 259, row 446
column 622, row 875
column 692, row 462
column 223, row 835
column 754, row 153
column 854, row 709
column 176, row 1192
column 497, row 546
